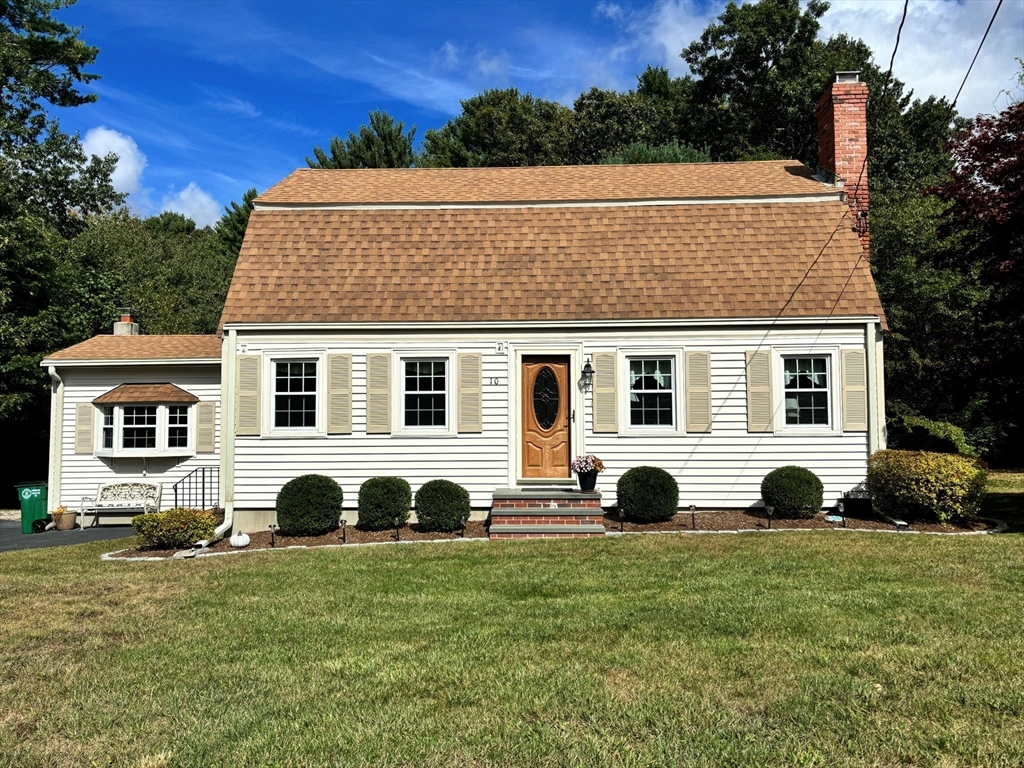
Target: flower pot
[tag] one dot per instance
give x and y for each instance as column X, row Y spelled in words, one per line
column 588, row 480
column 66, row 521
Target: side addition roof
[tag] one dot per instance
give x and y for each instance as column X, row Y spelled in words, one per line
column 108, row 347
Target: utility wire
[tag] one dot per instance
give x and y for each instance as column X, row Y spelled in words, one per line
column 983, row 38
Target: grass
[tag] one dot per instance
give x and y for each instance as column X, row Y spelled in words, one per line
column 804, row 649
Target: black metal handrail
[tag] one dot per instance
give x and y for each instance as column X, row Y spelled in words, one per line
column 199, row 489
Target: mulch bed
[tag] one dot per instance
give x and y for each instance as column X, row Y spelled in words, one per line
column 723, row 520
column 744, row 520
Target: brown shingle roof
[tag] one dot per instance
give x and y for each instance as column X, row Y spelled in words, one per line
column 551, row 263
column 544, row 183
column 108, row 347
column 146, row 393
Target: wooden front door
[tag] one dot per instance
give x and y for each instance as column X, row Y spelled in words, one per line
column 546, row 414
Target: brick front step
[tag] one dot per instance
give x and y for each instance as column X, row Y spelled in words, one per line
column 533, row 531
column 545, row 513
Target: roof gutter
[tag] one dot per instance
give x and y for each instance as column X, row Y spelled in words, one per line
column 556, row 324
column 83, row 362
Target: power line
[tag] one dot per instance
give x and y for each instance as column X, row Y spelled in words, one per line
column 983, row 39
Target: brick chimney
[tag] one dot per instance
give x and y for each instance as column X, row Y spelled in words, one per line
column 126, row 326
column 843, row 146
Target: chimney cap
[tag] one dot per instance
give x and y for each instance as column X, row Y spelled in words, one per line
column 848, row 76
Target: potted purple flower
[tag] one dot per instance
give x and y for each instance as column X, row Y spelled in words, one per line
column 586, row 468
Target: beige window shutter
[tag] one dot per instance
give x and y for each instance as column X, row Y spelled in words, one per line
column 206, row 414
column 85, row 415
column 606, row 411
column 378, row 394
column 855, row 391
column 698, row 392
column 339, row 394
column 759, row 391
column 471, row 414
column 247, row 395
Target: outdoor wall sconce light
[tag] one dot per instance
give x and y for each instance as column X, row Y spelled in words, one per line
column 344, row 531
column 587, row 376
column 769, row 510
column 693, row 517
column 273, row 529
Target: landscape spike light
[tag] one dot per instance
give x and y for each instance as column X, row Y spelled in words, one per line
column 769, row 510
column 693, row 517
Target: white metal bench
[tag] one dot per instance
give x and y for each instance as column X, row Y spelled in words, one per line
column 125, row 498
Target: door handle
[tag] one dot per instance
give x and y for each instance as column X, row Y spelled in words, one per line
column 573, row 415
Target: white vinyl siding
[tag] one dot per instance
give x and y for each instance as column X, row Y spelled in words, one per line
column 719, row 468
column 82, row 473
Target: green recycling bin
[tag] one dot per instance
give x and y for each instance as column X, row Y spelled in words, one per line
column 33, row 504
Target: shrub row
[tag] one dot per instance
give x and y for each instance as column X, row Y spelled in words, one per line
column 174, row 529
column 311, row 505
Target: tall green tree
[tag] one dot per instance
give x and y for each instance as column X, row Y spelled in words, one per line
column 383, row 143
column 500, row 127
column 232, row 225
column 48, row 190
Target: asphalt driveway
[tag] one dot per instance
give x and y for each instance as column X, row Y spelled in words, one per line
column 11, row 537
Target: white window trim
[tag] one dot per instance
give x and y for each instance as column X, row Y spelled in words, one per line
column 835, row 426
column 161, row 449
column 398, row 358
column 270, row 359
column 625, row 354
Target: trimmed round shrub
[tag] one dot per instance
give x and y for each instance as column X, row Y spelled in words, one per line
column 647, row 494
column 441, row 505
column 795, row 492
column 174, row 529
column 309, row 505
column 381, row 500
column 916, row 485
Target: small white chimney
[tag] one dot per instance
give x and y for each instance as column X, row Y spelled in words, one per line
column 126, row 326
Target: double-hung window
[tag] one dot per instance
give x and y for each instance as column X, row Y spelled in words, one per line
column 138, row 427
column 295, row 391
column 806, row 384
column 652, row 391
column 177, row 426
column 425, row 392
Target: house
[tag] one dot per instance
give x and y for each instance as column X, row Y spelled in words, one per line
column 486, row 325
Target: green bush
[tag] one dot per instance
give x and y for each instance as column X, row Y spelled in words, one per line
column 795, row 492
column 441, row 505
column 174, row 529
column 915, row 433
column 918, row 485
column 309, row 505
column 381, row 500
column 647, row 494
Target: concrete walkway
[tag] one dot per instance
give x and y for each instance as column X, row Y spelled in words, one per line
column 11, row 537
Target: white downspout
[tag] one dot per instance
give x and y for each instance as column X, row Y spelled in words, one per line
column 56, row 439
column 874, row 401
column 227, row 432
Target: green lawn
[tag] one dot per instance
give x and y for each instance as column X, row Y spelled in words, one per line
column 808, row 649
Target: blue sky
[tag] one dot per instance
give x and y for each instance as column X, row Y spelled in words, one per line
column 203, row 100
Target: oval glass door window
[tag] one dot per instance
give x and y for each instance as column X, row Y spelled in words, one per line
column 545, row 398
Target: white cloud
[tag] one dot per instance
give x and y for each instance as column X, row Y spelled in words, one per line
column 938, row 42
column 101, row 141
column 610, row 11
column 195, row 203
column 448, row 57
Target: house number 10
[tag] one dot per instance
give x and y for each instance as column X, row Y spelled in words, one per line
column 494, row 382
